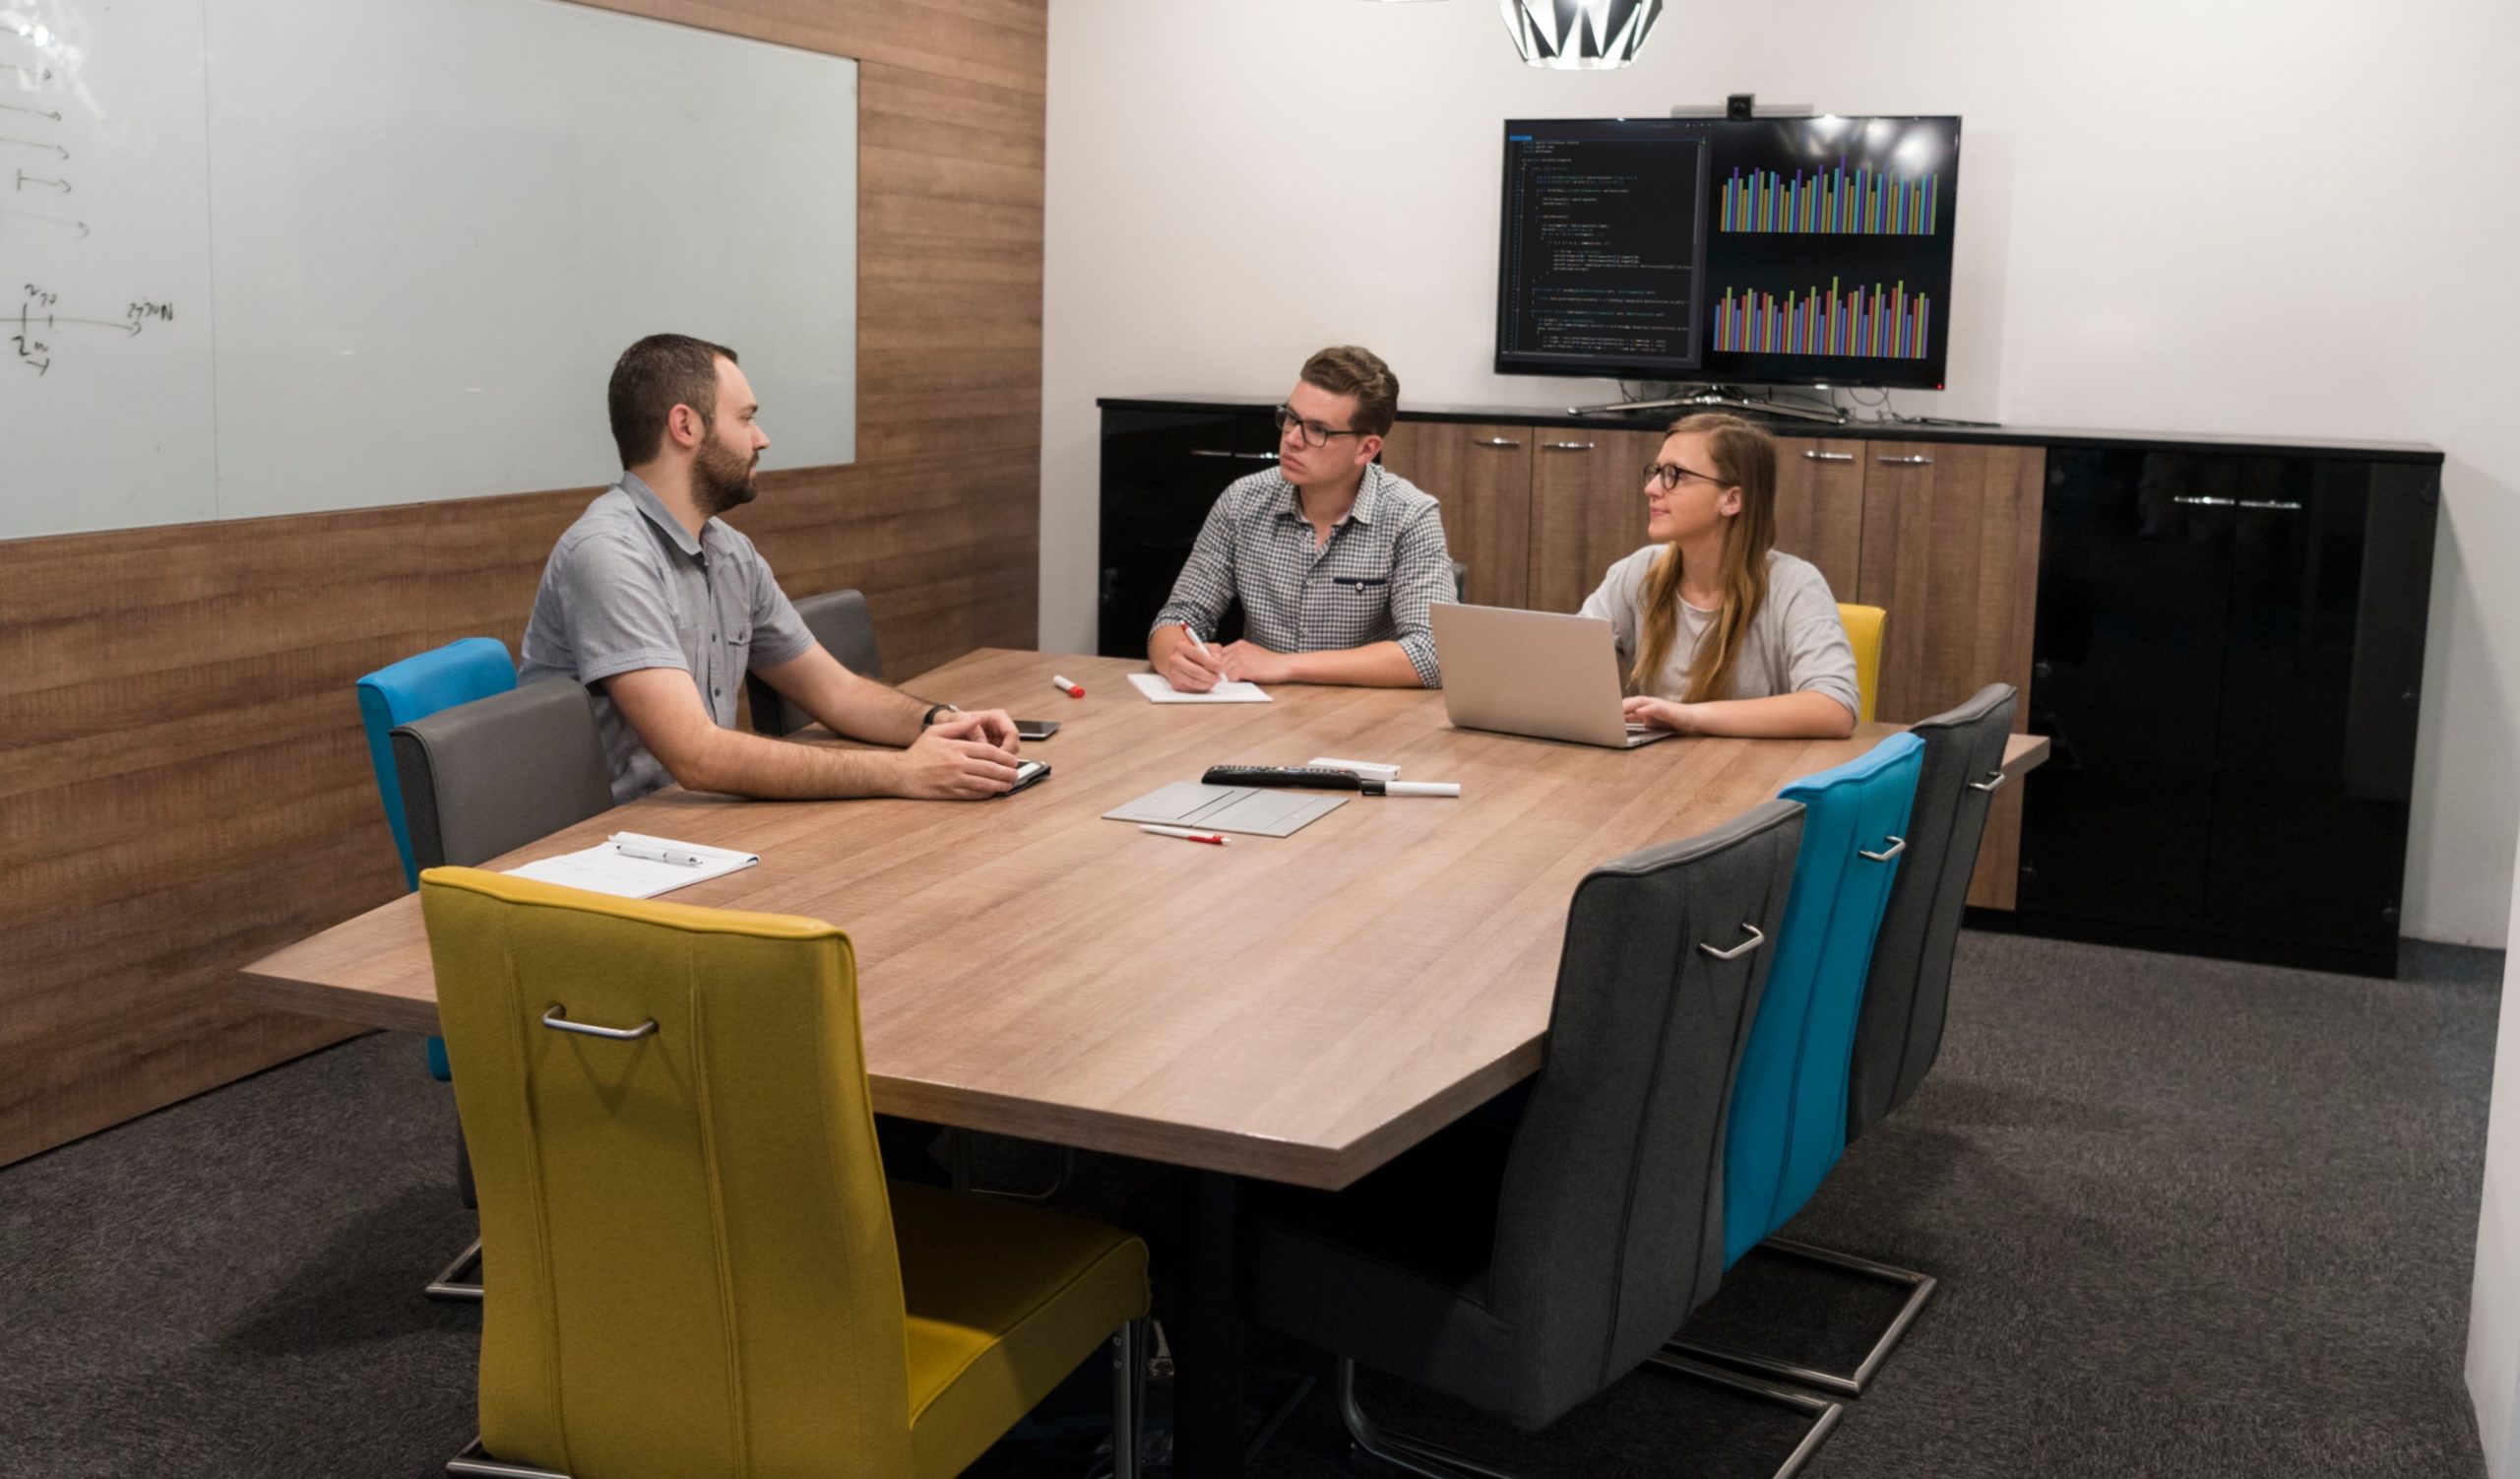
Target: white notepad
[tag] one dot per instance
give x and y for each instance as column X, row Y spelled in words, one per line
column 606, row 868
column 1158, row 689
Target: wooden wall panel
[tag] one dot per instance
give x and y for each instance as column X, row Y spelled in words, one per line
column 183, row 785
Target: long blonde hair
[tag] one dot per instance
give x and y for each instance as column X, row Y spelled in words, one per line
column 1745, row 458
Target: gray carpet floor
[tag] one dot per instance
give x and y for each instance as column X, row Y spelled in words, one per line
column 2192, row 1218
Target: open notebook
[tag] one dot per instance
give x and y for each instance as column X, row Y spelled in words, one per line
column 635, row 865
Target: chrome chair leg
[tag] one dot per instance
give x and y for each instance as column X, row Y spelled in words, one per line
column 451, row 1285
column 1919, row 1287
column 1128, row 1400
column 1825, row 1413
column 475, row 1465
column 1398, row 1449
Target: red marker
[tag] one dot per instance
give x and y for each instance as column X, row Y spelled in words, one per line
column 1184, row 833
column 1072, row 690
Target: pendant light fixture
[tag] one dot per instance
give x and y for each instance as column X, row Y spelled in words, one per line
column 1580, row 36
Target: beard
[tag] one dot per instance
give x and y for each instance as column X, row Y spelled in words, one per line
column 721, row 477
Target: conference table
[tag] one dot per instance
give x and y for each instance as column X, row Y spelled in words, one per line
column 1294, row 1009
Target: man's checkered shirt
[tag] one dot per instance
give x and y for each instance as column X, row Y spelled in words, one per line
column 1384, row 566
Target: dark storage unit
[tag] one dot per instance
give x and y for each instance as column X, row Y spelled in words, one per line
column 2227, row 662
column 1161, row 470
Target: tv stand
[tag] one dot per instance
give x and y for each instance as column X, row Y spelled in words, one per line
column 1720, row 397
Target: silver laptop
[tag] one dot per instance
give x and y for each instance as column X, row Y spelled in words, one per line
column 1534, row 672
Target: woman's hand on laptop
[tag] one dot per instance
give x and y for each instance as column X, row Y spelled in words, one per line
column 1662, row 713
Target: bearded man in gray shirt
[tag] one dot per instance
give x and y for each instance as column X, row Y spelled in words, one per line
column 658, row 607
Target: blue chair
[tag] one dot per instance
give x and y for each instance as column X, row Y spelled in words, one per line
column 397, row 693
column 1788, row 1114
column 416, row 688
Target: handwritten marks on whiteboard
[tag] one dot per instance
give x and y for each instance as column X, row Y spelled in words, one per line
column 40, row 324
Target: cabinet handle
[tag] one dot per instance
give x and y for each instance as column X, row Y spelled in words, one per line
column 1567, row 446
column 1497, row 441
column 558, row 1019
column 1896, row 845
column 1257, row 456
column 2284, row 506
column 1907, row 462
column 2201, row 500
column 1208, row 452
column 1737, row 951
column 1831, row 455
column 1994, row 778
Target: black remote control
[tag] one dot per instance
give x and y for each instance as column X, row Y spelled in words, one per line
column 1317, row 775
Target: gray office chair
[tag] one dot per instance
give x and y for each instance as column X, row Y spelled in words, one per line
column 1905, row 994
column 1461, row 580
column 485, row 778
column 1524, row 1267
column 1908, row 993
column 840, row 621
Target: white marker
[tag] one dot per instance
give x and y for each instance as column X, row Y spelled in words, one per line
column 1412, row 787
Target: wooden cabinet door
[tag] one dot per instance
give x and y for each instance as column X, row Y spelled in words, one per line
column 1482, row 476
column 1819, row 507
column 1951, row 552
column 1588, row 509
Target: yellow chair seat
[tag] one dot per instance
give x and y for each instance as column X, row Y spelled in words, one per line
column 1003, row 1302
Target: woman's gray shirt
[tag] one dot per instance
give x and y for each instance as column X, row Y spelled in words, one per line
column 1796, row 644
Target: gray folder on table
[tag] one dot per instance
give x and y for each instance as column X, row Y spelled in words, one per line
column 1265, row 811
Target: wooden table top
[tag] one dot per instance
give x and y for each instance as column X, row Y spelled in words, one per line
column 1299, row 1008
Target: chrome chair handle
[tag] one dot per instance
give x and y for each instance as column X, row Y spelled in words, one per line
column 557, row 1020
column 1755, row 940
column 1994, row 778
column 1896, row 845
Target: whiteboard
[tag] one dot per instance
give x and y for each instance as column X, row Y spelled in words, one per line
column 399, row 260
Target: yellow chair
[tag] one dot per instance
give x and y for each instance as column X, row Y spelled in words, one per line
column 695, row 1266
column 1863, row 629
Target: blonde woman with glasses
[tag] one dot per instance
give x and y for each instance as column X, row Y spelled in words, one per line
column 1723, row 634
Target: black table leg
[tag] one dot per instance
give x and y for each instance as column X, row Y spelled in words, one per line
column 1207, row 1393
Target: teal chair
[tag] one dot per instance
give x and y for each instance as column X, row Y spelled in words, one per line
column 416, row 688
column 1788, row 1114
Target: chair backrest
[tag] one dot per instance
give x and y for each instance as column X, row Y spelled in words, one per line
column 1460, row 579
column 489, row 776
column 1790, row 1102
column 1610, row 1224
column 1910, row 990
column 413, row 689
column 1865, row 626
column 840, row 621
column 685, row 1234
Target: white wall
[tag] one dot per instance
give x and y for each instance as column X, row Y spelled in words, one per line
column 2276, row 217
column 2494, row 1309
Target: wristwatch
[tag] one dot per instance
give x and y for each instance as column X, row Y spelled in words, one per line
column 934, row 709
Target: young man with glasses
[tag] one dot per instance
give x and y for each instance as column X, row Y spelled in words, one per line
column 1335, row 558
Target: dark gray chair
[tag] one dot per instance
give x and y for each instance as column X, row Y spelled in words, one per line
column 840, row 621
column 1907, row 994
column 1461, row 580
column 1522, row 1267
column 485, row 778
column 1904, row 992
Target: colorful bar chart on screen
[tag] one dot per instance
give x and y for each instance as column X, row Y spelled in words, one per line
column 1884, row 323
column 1838, row 201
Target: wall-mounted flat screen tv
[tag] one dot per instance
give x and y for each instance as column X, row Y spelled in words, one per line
column 1752, row 251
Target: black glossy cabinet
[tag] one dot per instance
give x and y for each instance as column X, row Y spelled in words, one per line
column 1161, row 470
column 2226, row 661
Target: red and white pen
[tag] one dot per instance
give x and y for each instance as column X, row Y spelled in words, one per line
column 1072, row 690
column 1184, row 833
